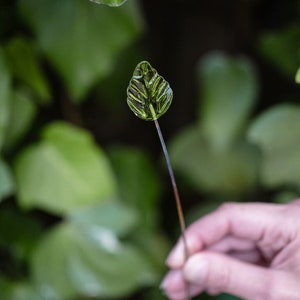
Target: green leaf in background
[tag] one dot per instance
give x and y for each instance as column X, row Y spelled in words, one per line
column 155, row 247
column 138, row 181
column 228, row 89
column 286, row 196
column 95, row 263
column 112, row 3
column 4, row 98
column 113, row 86
column 276, row 132
column 282, row 48
column 22, row 112
column 227, row 297
column 18, row 234
column 6, row 181
column 18, row 291
column 64, row 171
column 297, row 77
column 114, row 216
column 119, row 219
column 202, row 209
column 25, row 64
column 80, row 39
column 233, row 171
column 212, row 154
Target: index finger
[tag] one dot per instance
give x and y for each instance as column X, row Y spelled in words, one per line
column 248, row 221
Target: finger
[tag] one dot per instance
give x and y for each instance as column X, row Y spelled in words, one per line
column 231, row 243
column 175, row 287
column 220, row 273
column 182, row 294
column 253, row 257
column 241, row 249
column 244, row 220
column 174, row 281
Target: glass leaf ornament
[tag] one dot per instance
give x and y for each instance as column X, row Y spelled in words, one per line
column 149, row 95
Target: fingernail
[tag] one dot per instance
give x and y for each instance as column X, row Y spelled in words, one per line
column 173, row 280
column 196, row 269
column 176, row 257
column 165, row 283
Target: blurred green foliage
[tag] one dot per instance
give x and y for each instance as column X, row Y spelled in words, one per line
column 80, row 220
column 217, row 160
column 282, row 49
column 110, row 2
column 64, row 152
column 96, row 239
column 297, row 78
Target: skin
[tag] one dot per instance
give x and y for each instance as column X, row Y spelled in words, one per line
column 249, row 250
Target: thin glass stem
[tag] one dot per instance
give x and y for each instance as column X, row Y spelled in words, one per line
column 176, row 194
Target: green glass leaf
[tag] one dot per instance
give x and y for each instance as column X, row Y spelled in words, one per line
column 149, row 95
column 113, row 3
column 276, row 132
column 65, row 171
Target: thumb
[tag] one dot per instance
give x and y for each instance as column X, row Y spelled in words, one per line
column 220, row 273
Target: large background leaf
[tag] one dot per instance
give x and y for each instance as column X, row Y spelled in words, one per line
column 113, row 216
column 228, row 92
column 139, row 182
column 92, row 261
column 82, row 40
column 233, row 171
column 140, row 187
column 282, row 48
column 213, row 154
column 64, row 171
column 24, row 63
column 22, row 113
column 18, row 291
column 277, row 133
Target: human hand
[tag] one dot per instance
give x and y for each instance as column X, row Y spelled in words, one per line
column 249, row 250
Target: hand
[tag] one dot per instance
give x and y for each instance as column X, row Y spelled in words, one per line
column 249, row 250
